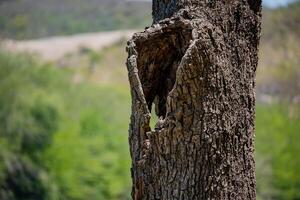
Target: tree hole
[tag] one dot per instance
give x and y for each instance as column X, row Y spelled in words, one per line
column 158, row 59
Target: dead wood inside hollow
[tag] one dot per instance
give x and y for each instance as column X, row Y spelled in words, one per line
column 157, row 62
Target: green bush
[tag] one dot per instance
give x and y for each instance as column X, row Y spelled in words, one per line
column 277, row 141
column 59, row 139
column 23, row 181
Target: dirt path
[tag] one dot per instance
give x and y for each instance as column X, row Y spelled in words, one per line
column 53, row 48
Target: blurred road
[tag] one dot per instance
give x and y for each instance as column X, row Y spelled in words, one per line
column 54, row 48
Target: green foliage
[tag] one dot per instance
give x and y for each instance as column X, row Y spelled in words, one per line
column 23, row 97
column 59, row 139
column 23, row 181
column 28, row 119
column 89, row 156
column 277, row 146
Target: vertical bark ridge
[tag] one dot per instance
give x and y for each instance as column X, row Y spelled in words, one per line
column 197, row 65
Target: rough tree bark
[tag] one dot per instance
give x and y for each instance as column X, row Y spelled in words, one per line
column 196, row 64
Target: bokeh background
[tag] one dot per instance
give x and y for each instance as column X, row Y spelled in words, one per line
column 65, row 102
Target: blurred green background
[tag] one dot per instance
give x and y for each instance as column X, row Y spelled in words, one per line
column 64, row 122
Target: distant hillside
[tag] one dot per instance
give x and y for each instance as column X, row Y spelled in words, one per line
column 28, row 19
column 281, row 22
column 279, row 71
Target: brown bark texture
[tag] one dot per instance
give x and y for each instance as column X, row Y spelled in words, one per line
column 195, row 68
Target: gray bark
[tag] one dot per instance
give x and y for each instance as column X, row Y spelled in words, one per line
column 196, row 64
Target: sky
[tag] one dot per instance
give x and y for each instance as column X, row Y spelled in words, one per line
column 275, row 3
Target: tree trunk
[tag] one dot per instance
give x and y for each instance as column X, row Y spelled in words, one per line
column 196, row 64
